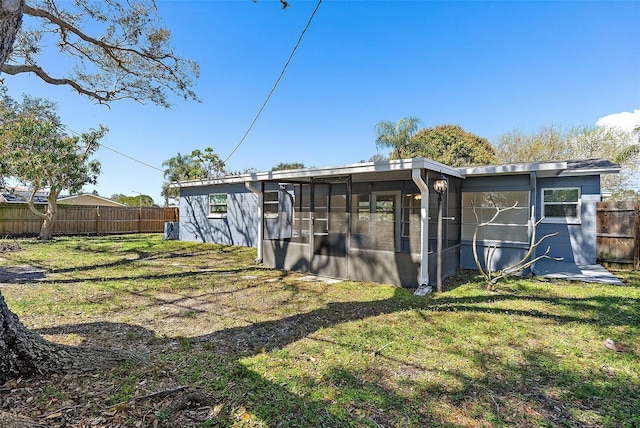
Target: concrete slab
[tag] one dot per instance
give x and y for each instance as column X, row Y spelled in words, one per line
column 575, row 272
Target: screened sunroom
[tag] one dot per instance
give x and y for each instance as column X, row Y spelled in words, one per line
column 363, row 221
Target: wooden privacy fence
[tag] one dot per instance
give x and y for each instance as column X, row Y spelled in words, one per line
column 618, row 233
column 18, row 220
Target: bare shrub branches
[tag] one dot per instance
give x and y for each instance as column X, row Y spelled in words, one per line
column 490, row 276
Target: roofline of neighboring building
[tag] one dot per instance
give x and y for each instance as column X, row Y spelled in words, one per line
column 64, row 198
column 328, row 171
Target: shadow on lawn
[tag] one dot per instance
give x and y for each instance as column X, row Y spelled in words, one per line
column 518, row 392
column 136, row 255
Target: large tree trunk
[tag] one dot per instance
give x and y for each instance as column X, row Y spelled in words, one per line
column 46, row 231
column 48, row 216
column 10, row 21
column 24, row 353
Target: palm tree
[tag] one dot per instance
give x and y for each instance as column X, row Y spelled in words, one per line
column 179, row 167
column 396, row 135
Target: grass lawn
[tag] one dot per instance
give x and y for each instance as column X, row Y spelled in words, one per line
column 230, row 343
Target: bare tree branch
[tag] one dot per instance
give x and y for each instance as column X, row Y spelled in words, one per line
column 117, row 50
column 17, row 69
column 490, row 276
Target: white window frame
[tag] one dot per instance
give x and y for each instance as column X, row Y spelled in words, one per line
column 397, row 212
column 271, row 203
column 226, row 205
column 562, row 220
column 416, row 200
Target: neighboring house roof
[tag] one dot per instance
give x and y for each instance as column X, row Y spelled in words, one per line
column 567, row 168
column 372, row 169
column 89, row 199
column 20, row 195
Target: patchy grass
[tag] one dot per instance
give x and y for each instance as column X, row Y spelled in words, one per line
column 230, row 343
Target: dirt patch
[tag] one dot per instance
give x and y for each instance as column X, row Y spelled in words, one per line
column 84, row 401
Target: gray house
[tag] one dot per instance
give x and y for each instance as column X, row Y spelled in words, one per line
column 385, row 222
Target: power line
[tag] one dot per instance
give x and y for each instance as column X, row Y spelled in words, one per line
column 120, row 153
column 129, row 157
column 255, row 119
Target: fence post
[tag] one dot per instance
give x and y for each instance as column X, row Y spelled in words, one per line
column 97, row 220
column 636, row 238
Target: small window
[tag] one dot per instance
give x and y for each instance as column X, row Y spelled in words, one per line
column 218, row 204
column 361, row 204
column 561, row 205
column 271, row 204
column 411, row 220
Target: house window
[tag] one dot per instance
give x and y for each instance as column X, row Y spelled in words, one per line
column 301, row 213
column 411, row 204
column 271, row 204
column 511, row 225
column 385, row 228
column 361, row 221
column 561, row 205
column 411, row 223
column 218, row 204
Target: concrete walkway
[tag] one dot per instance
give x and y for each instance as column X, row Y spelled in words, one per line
column 575, row 272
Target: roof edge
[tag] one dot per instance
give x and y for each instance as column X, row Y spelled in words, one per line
column 327, row 171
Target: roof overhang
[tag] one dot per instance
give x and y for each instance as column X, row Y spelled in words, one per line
column 568, row 168
column 376, row 169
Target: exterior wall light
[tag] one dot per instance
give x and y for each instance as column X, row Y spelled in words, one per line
column 440, row 184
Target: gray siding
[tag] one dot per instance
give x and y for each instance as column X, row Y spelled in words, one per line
column 505, row 253
column 238, row 227
column 363, row 265
column 574, row 242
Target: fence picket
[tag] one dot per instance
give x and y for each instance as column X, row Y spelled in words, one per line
column 618, row 233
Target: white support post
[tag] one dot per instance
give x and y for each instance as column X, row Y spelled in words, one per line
column 424, row 288
column 260, row 195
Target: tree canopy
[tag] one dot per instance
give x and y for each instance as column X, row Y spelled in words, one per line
column 134, row 201
column 580, row 142
column 198, row 164
column 291, row 165
column 546, row 143
column 112, row 50
column 39, row 155
column 451, row 145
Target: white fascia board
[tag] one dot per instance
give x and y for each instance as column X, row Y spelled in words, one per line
column 331, row 171
column 519, row 168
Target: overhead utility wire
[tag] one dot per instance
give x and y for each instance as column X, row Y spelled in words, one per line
column 129, row 157
column 255, row 119
column 120, row 153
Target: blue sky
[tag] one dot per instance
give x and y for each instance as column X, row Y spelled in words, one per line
column 489, row 67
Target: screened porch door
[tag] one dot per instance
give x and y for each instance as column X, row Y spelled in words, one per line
column 330, row 229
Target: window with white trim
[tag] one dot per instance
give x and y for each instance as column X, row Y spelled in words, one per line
column 271, row 199
column 218, row 204
column 511, row 225
column 561, row 205
column 301, row 212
